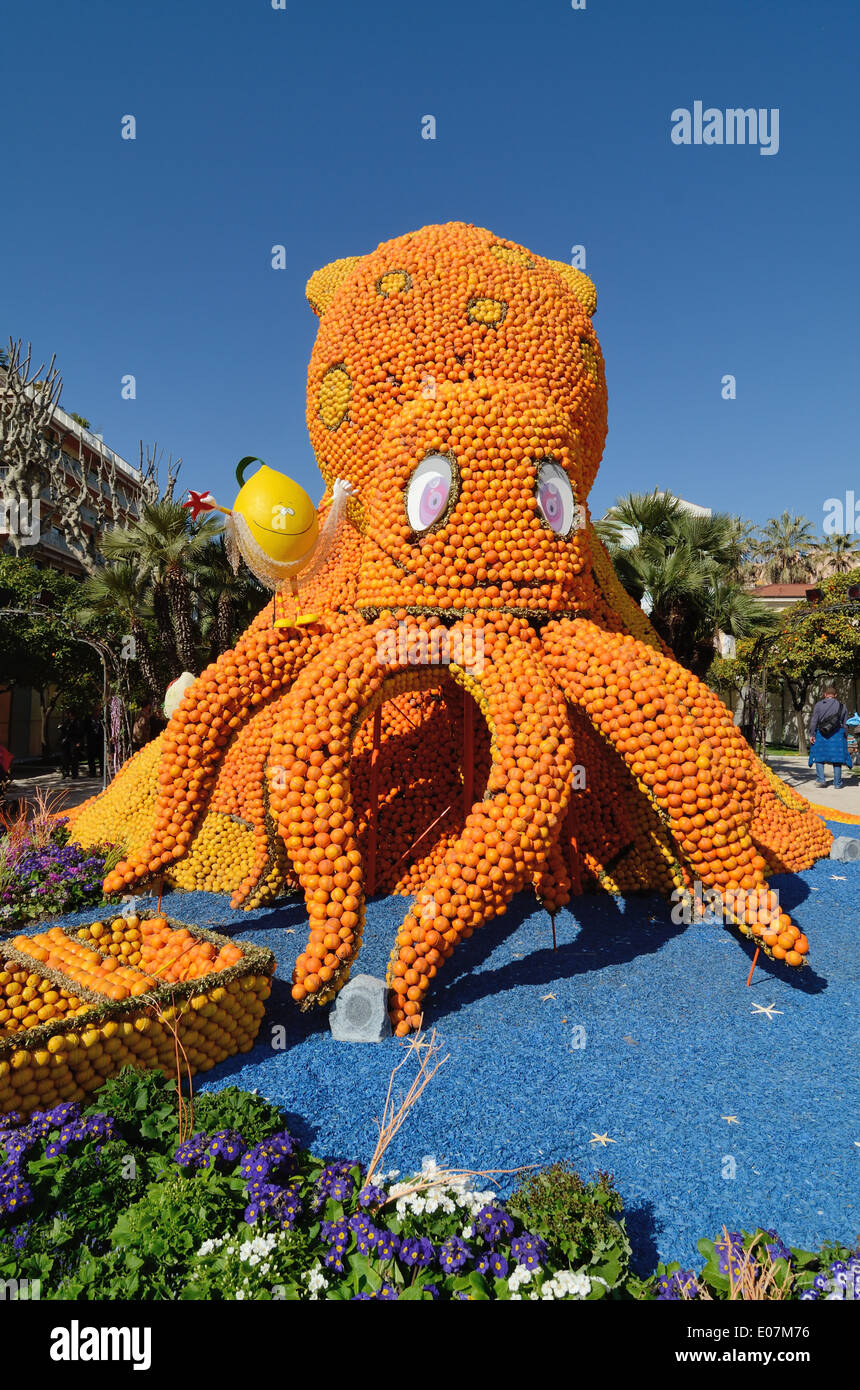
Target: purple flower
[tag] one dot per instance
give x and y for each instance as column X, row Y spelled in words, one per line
column 270, row 1159
column 96, row 1128
column 672, row 1287
column 453, row 1254
column 226, row 1147
column 367, row 1239
column 416, row 1251
column 333, row 1259
column 335, row 1232
column 776, row 1248
column 15, row 1192
column 528, row 1250
column 731, row 1255
column 192, row 1154
column 336, row 1181
column 493, row 1222
column 387, row 1245
column 492, row 1262
column 372, row 1196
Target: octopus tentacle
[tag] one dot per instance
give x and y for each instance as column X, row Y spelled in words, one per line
column 194, row 741
column 675, row 735
column 508, row 835
column 311, row 799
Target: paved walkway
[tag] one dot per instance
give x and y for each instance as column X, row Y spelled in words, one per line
column 798, row 774
column 62, row 794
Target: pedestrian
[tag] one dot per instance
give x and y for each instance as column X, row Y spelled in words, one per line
column 142, row 730
column 95, row 740
column 828, row 740
column 6, row 761
column 71, row 736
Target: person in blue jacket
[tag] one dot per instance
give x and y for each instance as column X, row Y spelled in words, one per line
column 828, row 740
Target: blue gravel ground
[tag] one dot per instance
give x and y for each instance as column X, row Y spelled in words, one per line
column 673, row 1045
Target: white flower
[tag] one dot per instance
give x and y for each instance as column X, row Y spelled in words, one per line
column 240, row 1294
column 467, row 1232
column 567, row 1283
column 521, row 1275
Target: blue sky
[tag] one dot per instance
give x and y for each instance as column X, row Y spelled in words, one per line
column 302, row 127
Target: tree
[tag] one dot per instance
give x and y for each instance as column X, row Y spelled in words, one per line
column 41, row 651
column 118, row 595
column 837, row 554
column 226, row 600
column 164, row 543
column 686, row 568
column 785, row 549
column 815, row 641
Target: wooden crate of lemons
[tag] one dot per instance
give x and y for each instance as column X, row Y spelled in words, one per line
column 79, row 1003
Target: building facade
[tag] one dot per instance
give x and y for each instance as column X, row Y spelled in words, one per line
column 86, row 488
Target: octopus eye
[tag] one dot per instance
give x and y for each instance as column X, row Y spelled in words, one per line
column 428, row 491
column 555, row 498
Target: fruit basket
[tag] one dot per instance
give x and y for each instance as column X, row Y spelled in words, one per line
column 79, row 1003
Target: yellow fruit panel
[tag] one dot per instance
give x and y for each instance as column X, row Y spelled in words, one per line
column 183, row 1026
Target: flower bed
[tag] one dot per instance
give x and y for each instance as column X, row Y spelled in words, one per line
column 110, row 1203
column 42, row 876
column 80, row 1015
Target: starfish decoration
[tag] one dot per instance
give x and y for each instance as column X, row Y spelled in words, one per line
column 544, row 997
column 630, row 1040
column 199, row 502
column 602, row 1139
column 767, row 1009
column 730, row 1119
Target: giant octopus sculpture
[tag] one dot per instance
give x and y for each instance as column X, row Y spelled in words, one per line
column 457, row 383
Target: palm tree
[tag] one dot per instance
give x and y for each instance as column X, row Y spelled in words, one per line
column 164, row 542
column 837, row 554
column 120, row 591
column 684, row 569
column 227, row 601
column 785, row 548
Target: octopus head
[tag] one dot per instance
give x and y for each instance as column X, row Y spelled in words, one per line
column 457, row 382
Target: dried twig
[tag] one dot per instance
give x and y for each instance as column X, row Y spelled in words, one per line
column 185, row 1109
column 448, row 1177
column 425, row 1053
column 751, row 1279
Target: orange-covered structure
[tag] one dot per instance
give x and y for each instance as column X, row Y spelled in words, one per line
column 457, row 382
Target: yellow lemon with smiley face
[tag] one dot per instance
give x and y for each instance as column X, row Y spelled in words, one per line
column 279, row 513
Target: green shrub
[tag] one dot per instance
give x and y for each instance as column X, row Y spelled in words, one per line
column 577, row 1219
